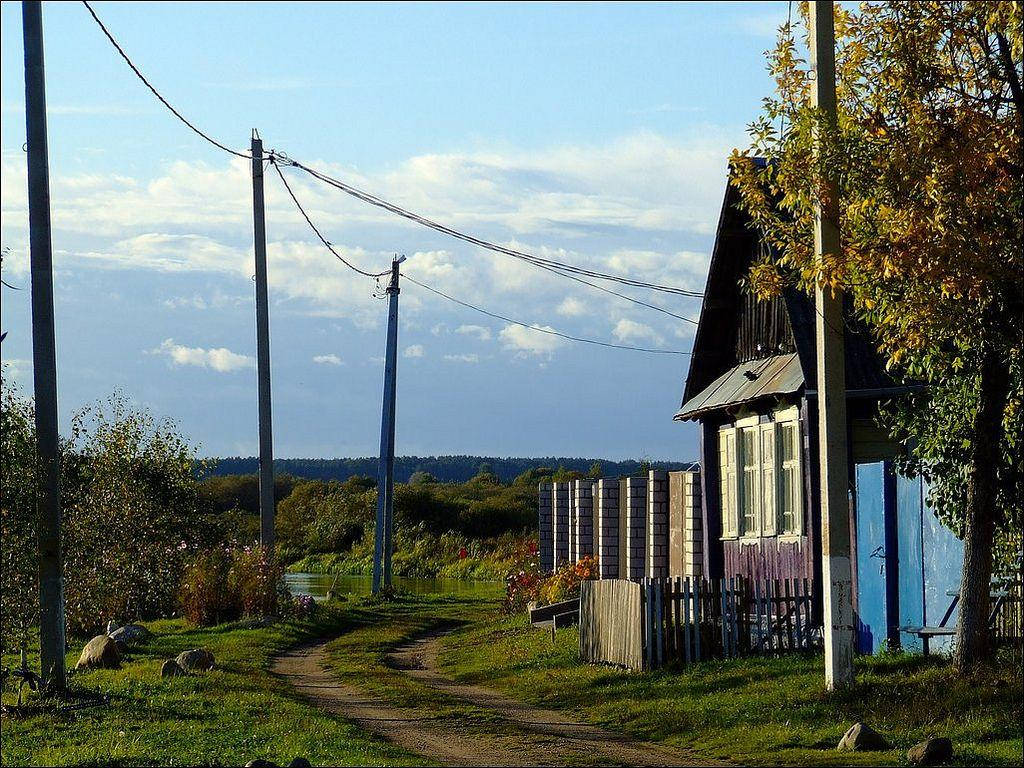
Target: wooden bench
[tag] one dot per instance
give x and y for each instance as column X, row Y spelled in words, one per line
column 926, row 633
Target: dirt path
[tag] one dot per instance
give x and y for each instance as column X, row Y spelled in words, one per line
column 517, row 735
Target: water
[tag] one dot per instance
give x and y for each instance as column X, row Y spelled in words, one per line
column 317, row 584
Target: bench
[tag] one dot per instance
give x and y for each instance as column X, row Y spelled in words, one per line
column 926, row 633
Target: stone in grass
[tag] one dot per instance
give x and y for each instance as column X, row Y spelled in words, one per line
column 130, row 634
column 863, row 738
column 931, row 752
column 171, row 668
column 100, row 653
column 259, row 762
column 196, row 660
column 300, row 762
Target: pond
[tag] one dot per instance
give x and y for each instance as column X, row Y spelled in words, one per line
column 317, row 584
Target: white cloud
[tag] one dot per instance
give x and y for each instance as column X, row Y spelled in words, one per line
column 330, row 359
column 470, row 358
column 529, row 340
column 482, row 332
column 631, row 332
column 219, row 359
column 414, row 350
column 571, row 307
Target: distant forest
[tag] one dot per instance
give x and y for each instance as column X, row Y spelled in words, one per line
column 457, row 469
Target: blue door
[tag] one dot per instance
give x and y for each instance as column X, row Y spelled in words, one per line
column 872, row 628
column 911, row 561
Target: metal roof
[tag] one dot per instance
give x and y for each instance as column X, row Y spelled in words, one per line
column 776, row 375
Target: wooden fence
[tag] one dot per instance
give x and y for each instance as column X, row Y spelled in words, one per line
column 654, row 622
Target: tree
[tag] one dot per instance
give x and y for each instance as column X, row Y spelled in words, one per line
column 927, row 151
column 596, row 471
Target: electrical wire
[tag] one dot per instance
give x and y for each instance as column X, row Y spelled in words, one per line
column 317, row 232
column 495, row 315
column 537, row 260
column 541, row 263
column 549, row 331
column 157, row 93
column 562, row 268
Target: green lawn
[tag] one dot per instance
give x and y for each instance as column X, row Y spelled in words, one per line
column 754, row 711
column 229, row 716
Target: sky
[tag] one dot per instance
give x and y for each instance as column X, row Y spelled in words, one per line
column 594, row 134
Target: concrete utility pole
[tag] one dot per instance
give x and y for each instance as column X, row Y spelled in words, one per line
column 836, row 567
column 383, row 544
column 44, row 359
column 263, row 349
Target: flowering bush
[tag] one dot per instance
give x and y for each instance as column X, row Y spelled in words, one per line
column 224, row 583
column 522, row 583
column 303, row 606
column 565, row 582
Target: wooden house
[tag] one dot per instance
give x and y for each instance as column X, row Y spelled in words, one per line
column 751, row 389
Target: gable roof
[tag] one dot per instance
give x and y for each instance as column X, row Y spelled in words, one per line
column 735, row 328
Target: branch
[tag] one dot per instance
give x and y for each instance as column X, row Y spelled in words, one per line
column 1012, row 78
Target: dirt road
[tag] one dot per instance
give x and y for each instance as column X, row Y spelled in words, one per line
column 513, row 734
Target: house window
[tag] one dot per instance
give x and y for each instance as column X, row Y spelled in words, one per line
column 790, row 496
column 760, row 477
column 749, row 491
column 727, row 481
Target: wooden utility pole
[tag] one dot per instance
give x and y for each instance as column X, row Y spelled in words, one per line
column 263, row 349
column 383, row 544
column 44, row 359
column 837, row 574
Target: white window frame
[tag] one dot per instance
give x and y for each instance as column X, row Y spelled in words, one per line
column 728, row 485
column 790, row 417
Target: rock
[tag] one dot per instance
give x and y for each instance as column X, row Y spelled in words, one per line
column 130, row 634
column 300, row 762
column 259, row 762
column 171, row 668
column 931, row 752
column 196, row 660
column 100, row 653
column 862, row 738
column 112, row 626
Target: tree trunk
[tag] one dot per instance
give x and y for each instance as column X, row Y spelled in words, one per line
column 972, row 636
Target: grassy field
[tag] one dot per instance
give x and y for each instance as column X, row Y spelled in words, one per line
column 229, row 716
column 753, row 711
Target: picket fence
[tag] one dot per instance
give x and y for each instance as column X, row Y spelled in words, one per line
column 656, row 622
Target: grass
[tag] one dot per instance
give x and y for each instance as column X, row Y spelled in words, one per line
column 228, row 716
column 757, row 711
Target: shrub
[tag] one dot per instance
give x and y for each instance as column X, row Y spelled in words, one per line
column 19, row 594
column 204, row 596
column 224, row 583
column 522, row 585
column 256, row 579
column 565, row 582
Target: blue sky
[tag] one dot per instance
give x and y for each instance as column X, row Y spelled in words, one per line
column 595, row 134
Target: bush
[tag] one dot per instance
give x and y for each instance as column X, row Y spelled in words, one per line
column 565, row 582
column 522, row 584
column 225, row 583
column 203, row 596
column 19, row 592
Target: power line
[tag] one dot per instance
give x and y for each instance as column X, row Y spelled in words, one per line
column 549, row 331
column 545, row 264
column 563, row 269
column 466, row 304
column 560, row 266
column 155, row 92
column 317, row 232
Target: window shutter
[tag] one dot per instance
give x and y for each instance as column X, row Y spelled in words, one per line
column 798, row 453
column 727, row 481
column 769, row 507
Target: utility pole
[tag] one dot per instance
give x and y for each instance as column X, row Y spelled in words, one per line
column 44, row 359
column 837, row 576
column 383, row 536
column 263, row 349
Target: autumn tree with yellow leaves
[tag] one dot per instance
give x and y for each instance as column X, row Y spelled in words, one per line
column 927, row 153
